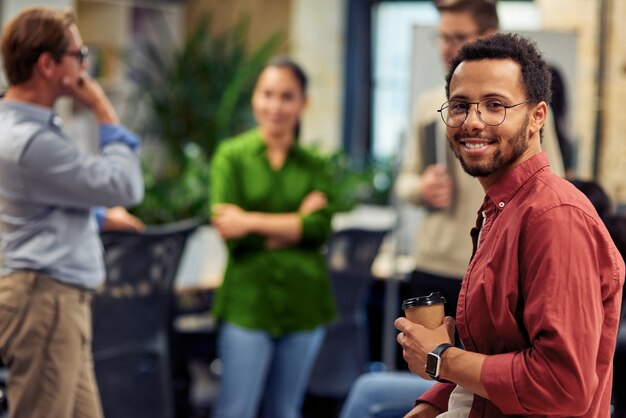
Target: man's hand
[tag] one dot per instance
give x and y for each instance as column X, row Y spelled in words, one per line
column 423, row 410
column 460, row 366
column 436, row 187
column 118, row 219
column 313, row 201
column 417, row 341
column 230, row 220
column 90, row 93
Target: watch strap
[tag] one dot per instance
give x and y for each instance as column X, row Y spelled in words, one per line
column 438, row 351
column 441, row 348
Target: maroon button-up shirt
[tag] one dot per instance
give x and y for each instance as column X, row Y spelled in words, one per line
column 541, row 297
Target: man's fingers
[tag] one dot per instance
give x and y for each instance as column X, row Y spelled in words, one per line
column 401, row 323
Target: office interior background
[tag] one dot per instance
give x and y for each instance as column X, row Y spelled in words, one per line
column 367, row 60
column 363, row 67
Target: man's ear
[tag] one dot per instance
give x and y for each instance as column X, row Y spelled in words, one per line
column 45, row 65
column 538, row 116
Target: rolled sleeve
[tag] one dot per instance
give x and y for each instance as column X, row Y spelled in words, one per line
column 497, row 376
column 224, row 178
column 110, row 134
column 437, row 396
column 316, row 227
column 100, row 215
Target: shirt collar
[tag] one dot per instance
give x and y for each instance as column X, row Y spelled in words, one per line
column 31, row 111
column 260, row 147
column 503, row 190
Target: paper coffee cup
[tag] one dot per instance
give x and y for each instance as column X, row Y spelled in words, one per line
column 425, row 310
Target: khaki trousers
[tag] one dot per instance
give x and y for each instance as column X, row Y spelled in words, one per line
column 45, row 342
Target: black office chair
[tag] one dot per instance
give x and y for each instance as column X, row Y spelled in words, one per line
column 344, row 354
column 3, row 392
column 132, row 317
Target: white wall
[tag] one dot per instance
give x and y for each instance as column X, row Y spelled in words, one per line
column 316, row 41
column 11, row 7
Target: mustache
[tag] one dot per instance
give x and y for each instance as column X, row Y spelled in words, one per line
column 464, row 135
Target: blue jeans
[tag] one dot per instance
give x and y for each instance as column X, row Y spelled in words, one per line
column 384, row 391
column 253, row 360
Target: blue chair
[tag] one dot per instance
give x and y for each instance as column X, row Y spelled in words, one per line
column 388, row 410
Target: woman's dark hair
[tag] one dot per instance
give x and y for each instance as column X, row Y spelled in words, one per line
column 616, row 224
column 596, row 195
column 283, row 61
column 535, row 74
column 559, row 110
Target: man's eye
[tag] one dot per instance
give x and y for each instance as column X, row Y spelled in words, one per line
column 493, row 105
column 458, row 107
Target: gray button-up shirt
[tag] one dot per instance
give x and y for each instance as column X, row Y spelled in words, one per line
column 48, row 188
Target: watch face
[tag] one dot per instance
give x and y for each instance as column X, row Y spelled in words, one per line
column 432, row 364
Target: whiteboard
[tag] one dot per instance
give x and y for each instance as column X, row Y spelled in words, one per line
column 558, row 47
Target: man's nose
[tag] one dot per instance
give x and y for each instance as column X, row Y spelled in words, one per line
column 473, row 120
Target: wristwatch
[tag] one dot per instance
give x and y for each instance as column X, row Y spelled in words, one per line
column 433, row 361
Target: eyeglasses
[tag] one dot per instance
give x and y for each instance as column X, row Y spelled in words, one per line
column 454, row 39
column 79, row 54
column 491, row 111
column 449, row 3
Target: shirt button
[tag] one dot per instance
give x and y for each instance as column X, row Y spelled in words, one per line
column 501, row 205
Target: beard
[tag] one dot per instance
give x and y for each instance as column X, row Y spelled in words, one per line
column 499, row 161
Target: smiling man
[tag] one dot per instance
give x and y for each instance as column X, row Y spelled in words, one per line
column 435, row 180
column 539, row 304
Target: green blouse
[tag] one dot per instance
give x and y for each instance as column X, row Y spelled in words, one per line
column 275, row 290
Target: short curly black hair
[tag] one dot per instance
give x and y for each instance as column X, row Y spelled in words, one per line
column 536, row 75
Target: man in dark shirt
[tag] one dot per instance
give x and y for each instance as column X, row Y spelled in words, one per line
column 539, row 305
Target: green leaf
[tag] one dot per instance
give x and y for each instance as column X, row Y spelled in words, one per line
column 188, row 98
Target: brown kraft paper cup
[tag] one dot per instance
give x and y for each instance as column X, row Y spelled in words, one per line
column 425, row 310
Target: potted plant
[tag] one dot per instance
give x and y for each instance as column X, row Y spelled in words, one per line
column 186, row 100
column 366, row 183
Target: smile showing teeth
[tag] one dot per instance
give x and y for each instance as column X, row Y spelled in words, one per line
column 470, row 145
